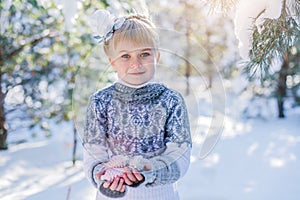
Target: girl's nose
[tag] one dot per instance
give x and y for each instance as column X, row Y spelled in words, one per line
column 135, row 63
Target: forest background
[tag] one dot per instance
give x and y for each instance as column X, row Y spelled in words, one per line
column 236, row 64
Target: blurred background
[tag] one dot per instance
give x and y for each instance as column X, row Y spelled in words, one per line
column 236, row 62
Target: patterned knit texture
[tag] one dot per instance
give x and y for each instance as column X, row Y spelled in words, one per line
column 134, row 122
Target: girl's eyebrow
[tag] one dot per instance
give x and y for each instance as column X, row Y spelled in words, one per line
column 127, row 51
column 147, row 49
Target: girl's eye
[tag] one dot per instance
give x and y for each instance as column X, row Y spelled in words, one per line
column 125, row 56
column 145, row 54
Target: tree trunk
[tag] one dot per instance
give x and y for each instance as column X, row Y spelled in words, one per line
column 187, row 77
column 187, row 64
column 281, row 87
column 3, row 127
column 188, row 48
column 209, row 64
column 74, row 158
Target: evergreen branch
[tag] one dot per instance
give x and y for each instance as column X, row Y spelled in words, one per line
column 259, row 14
column 274, row 42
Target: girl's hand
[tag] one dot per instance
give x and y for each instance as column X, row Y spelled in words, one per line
column 117, row 184
column 100, row 174
column 133, row 176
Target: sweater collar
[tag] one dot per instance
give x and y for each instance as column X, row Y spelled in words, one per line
column 144, row 92
column 133, row 86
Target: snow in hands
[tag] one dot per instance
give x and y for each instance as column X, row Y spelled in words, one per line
column 116, row 166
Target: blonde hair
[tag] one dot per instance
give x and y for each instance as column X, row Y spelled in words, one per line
column 137, row 29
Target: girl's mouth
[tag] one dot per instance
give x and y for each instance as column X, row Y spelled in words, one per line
column 136, row 73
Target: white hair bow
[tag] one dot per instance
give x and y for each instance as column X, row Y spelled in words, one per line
column 104, row 24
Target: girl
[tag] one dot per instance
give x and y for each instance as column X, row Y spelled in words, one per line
column 137, row 138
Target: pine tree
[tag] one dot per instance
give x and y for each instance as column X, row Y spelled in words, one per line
column 30, row 66
column 276, row 43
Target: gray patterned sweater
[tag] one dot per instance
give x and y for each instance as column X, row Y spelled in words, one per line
column 151, row 122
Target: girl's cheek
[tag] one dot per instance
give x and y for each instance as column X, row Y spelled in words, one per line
column 124, row 62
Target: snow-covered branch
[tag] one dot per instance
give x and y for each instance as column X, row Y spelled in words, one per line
column 251, row 14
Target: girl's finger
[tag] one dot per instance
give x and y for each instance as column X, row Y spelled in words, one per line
column 137, row 175
column 106, row 184
column 126, row 179
column 114, row 184
column 120, row 185
column 100, row 174
column 130, row 175
column 123, row 188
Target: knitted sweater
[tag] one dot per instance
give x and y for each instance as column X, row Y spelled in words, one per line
column 149, row 122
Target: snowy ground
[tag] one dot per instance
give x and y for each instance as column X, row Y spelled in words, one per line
column 260, row 162
column 255, row 159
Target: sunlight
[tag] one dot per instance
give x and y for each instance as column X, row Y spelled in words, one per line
column 280, row 151
column 202, row 124
column 45, row 3
column 193, row 159
column 8, row 179
column 74, row 173
column 290, row 139
column 233, row 128
column 276, row 162
column 15, row 95
column 27, row 145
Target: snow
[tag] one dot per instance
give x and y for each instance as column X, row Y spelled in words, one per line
column 255, row 158
column 259, row 162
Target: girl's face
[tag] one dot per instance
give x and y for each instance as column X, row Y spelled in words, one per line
column 134, row 64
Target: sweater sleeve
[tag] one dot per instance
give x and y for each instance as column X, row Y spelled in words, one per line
column 173, row 163
column 95, row 152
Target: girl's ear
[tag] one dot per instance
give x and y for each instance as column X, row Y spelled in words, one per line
column 112, row 63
